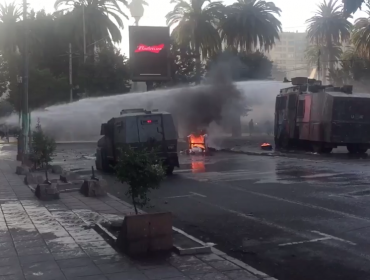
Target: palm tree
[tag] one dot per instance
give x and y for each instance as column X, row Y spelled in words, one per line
column 361, row 34
column 251, row 23
column 328, row 27
column 319, row 56
column 10, row 15
column 351, row 6
column 197, row 27
column 100, row 28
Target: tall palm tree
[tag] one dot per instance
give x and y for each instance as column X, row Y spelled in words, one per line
column 351, row 6
column 251, row 23
column 328, row 27
column 319, row 56
column 196, row 24
column 361, row 34
column 100, row 27
column 10, row 15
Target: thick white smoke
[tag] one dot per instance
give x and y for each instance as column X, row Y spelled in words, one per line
column 81, row 120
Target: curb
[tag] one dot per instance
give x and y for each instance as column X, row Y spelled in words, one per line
column 217, row 252
column 205, row 248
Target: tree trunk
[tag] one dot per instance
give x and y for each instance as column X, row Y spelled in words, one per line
column 330, row 56
column 134, row 203
column 197, row 62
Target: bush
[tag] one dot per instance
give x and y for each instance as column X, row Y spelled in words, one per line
column 42, row 148
column 142, row 171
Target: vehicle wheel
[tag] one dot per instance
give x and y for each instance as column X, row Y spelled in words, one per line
column 104, row 161
column 317, row 148
column 169, row 170
column 352, row 149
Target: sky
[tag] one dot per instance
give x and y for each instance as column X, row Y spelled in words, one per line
column 293, row 17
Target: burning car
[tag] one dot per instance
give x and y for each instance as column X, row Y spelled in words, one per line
column 197, row 142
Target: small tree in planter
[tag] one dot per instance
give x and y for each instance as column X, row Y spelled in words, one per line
column 144, row 233
column 142, row 171
column 42, row 149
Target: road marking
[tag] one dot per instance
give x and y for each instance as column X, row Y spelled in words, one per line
column 326, row 237
column 186, row 195
column 333, row 237
column 344, row 214
column 178, row 196
column 302, row 242
column 183, row 170
column 322, row 175
column 197, row 194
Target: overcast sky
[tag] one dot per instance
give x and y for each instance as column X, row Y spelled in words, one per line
column 293, row 17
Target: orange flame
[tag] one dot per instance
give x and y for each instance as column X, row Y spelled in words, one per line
column 196, row 141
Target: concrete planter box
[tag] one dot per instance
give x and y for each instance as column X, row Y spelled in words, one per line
column 146, row 233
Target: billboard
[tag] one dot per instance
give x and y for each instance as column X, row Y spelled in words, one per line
column 149, row 53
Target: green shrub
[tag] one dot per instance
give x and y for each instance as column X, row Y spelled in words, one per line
column 142, row 171
column 42, row 148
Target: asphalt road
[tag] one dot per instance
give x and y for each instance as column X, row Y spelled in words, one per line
column 294, row 218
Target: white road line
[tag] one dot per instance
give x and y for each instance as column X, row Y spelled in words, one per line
column 178, row 196
column 182, row 170
column 344, row 214
column 322, row 175
column 302, row 242
column 186, row 195
column 333, row 237
column 197, row 194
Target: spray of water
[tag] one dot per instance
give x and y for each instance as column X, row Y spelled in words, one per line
column 204, row 105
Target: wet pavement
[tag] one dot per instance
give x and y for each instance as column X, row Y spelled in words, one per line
column 299, row 217
column 55, row 240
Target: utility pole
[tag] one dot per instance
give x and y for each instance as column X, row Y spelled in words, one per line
column 25, row 113
column 318, row 64
column 84, row 30
column 70, row 74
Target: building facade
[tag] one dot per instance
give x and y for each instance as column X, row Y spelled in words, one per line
column 288, row 55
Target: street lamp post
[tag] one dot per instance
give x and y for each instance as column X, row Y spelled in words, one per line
column 25, row 113
column 19, row 141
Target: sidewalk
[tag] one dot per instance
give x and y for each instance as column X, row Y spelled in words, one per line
column 55, row 241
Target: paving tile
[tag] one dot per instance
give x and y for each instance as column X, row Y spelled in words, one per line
column 94, row 252
column 54, row 274
column 177, row 260
column 9, row 252
column 196, row 268
column 240, row 275
column 108, row 259
column 69, row 263
column 77, row 253
column 57, row 248
column 6, row 245
column 116, row 267
column 223, row 265
column 9, row 261
column 35, row 258
column 39, row 266
column 93, row 277
column 127, row 276
column 29, row 243
column 12, row 277
column 209, row 257
column 33, row 251
column 81, row 271
column 209, row 276
column 11, row 269
column 162, row 272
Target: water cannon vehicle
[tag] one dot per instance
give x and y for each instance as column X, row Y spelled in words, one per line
column 311, row 115
column 138, row 128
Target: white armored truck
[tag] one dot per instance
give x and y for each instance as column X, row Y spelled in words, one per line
column 138, row 128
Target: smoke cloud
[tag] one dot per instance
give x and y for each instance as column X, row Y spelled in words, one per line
column 210, row 105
